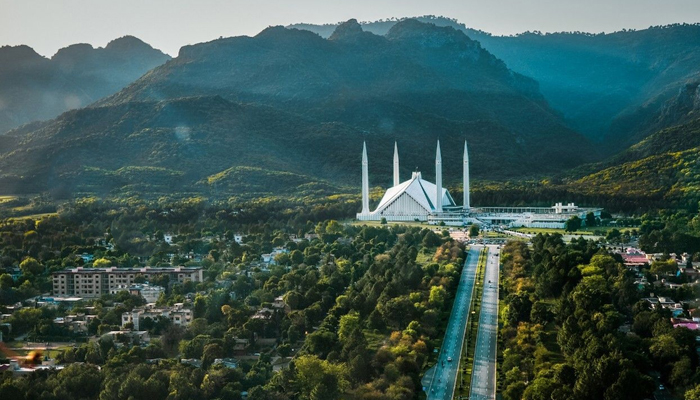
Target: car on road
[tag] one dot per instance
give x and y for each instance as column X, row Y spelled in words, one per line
column 449, row 359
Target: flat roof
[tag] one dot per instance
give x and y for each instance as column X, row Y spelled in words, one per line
column 83, row 270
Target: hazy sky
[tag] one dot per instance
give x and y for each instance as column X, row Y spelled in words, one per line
column 47, row 25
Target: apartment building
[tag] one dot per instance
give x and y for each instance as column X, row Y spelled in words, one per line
column 94, row 282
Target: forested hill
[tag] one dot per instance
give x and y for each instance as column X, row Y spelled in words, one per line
column 608, row 86
column 33, row 87
column 660, row 171
column 289, row 101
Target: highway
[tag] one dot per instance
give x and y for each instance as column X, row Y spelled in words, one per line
column 442, row 384
column 483, row 386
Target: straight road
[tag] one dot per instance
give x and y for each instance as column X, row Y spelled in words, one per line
column 483, row 385
column 443, row 383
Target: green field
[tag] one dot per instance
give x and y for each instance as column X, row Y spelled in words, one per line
column 33, row 216
column 6, row 199
column 378, row 223
column 585, row 232
column 544, row 231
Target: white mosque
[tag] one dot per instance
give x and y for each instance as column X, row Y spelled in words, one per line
column 418, row 200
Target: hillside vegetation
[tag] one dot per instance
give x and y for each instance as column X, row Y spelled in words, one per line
column 33, row 87
column 235, row 115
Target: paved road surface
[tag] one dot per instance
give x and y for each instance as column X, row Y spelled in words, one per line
column 442, row 385
column 483, row 385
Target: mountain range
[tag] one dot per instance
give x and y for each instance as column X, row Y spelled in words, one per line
column 290, row 101
column 285, row 111
column 33, row 87
column 613, row 87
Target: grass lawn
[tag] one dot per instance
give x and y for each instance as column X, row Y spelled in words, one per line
column 378, row 223
column 374, row 340
column 5, row 199
column 549, row 340
column 425, row 257
column 33, row 216
column 18, row 349
column 543, row 231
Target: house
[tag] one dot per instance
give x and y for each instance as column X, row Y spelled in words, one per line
column 665, row 302
column 128, row 337
column 634, row 258
column 192, row 361
column 264, row 314
column 238, row 238
column 77, row 323
column 149, row 292
column 53, row 302
column 692, row 324
column 691, row 273
column 178, row 314
column 168, row 238
column 280, row 305
column 240, row 347
column 226, row 362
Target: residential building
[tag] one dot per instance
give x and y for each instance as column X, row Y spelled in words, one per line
column 94, row 282
column 149, row 292
column 178, row 314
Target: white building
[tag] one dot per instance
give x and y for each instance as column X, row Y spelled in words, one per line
column 149, row 292
column 413, row 200
column 178, row 314
column 419, row 200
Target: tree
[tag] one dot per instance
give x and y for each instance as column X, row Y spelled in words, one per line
column 30, row 266
column 540, row 313
column 693, row 394
column 437, row 296
column 6, row 281
column 102, row 263
column 348, row 323
column 573, row 224
column 430, row 239
column 663, row 267
column 211, row 352
column 474, row 230
column 296, row 256
column 320, row 379
column 591, row 220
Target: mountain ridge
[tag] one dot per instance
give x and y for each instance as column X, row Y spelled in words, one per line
column 288, row 100
column 607, row 86
column 33, row 87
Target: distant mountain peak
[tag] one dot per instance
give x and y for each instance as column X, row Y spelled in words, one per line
column 73, row 51
column 426, row 34
column 349, row 28
column 127, row 43
column 18, row 54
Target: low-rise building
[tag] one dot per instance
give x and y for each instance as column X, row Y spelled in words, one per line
column 178, row 314
column 94, row 282
column 149, row 292
column 128, row 337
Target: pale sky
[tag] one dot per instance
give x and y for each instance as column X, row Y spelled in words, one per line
column 48, row 25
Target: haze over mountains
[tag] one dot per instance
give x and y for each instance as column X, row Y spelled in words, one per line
column 610, row 87
column 308, row 103
column 286, row 111
column 33, row 87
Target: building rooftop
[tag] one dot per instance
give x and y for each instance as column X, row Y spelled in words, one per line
column 82, row 270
